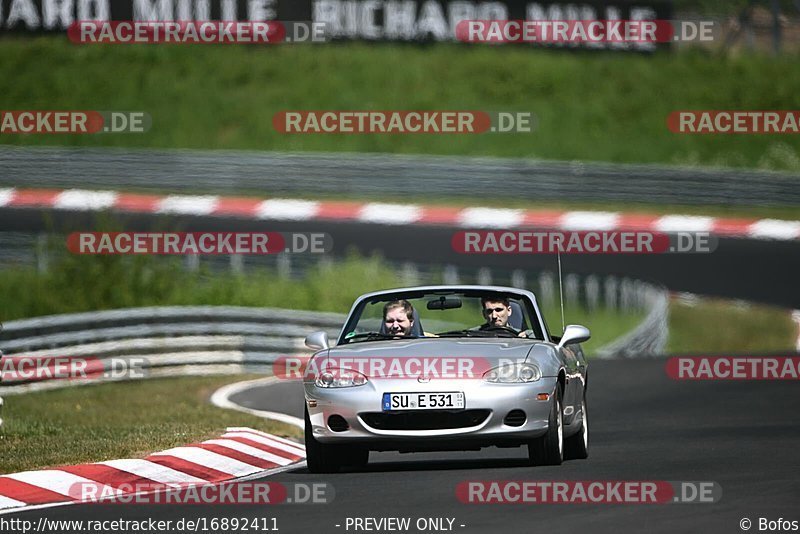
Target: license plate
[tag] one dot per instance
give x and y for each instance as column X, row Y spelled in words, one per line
column 422, row 401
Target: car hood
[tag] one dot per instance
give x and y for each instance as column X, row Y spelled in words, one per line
column 485, row 352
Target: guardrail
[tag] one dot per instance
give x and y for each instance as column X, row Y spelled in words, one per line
column 367, row 175
column 59, row 330
column 166, row 340
column 650, row 337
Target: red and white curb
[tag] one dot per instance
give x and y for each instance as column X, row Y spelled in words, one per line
column 240, row 453
column 384, row 213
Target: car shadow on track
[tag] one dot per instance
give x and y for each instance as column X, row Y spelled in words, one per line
column 410, row 465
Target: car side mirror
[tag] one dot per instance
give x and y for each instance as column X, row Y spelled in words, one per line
column 574, row 333
column 317, row 340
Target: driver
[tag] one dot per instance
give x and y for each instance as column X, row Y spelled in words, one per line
column 398, row 317
column 497, row 310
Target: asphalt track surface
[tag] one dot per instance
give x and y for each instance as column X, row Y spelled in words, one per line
column 644, row 426
column 743, row 435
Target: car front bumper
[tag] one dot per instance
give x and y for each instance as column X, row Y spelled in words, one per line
column 361, row 408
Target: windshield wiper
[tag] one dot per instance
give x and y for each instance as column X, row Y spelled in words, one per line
column 490, row 332
column 466, row 333
column 375, row 336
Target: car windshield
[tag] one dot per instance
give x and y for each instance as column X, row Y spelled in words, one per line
column 441, row 314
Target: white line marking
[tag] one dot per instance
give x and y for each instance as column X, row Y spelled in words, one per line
column 775, row 229
column 685, row 223
column 9, row 511
column 221, row 398
column 188, row 204
column 82, row 199
column 590, row 220
column 287, row 209
column 491, row 217
column 375, row 212
column 8, row 502
column 6, row 196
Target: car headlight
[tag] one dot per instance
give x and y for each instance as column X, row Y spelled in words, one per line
column 513, row 374
column 340, row 378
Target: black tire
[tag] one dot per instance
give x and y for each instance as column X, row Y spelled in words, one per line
column 324, row 458
column 577, row 447
column 549, row 449
column 355, row 457
column 320, row 458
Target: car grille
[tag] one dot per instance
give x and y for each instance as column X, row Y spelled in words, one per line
column 428, row 420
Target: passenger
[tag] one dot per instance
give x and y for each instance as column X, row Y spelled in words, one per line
column 398, row 318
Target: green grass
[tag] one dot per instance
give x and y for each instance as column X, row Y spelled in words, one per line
column 84, row 424
column 720, row 326
column 605, row 325
column 76, row 284
column 590, row 106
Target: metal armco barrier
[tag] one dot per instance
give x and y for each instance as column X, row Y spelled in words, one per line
column 240, row 328
column 367, row 176
column 167, row 340
column 650, row 337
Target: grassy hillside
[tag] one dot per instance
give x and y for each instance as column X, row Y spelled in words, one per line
column 590, row 106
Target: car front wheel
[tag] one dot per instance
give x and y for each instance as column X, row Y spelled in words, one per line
column 325, row 458
column 577, row 447
column 549, row 449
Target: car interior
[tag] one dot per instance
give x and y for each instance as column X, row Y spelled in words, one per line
column 432, row 308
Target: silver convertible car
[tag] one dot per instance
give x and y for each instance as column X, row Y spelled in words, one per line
column 445, row 368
